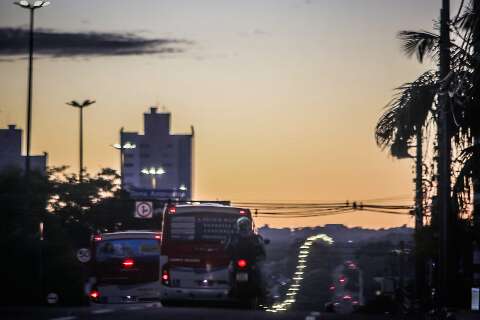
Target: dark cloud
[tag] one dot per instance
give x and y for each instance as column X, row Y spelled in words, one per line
column 14, row 42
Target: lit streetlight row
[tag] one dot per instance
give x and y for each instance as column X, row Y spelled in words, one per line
column 153, row 172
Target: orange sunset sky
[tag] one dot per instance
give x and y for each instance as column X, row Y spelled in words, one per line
column 284, row 94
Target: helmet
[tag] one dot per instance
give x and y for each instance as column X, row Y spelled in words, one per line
column 244, row 225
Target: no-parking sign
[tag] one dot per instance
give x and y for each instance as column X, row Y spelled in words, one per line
column 143, row 209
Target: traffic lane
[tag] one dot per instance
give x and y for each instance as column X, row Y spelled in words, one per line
column 142, row 311
column 155, row 311
column 222, row 314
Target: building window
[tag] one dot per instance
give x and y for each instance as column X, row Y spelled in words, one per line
column 144, row 145
column 128, row 165
column 144, row 155
column 129, row 156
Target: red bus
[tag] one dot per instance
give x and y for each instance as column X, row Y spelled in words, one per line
column 194, row 261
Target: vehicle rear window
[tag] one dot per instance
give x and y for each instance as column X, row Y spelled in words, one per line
column 121, row 248
column 198, row 226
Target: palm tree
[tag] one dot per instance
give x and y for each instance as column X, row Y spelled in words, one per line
column 403, row 122
column 463, row 86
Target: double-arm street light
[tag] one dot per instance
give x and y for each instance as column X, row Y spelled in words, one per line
column 80, row 106
column 121, row 147
column 154, row 172
column 30, row 6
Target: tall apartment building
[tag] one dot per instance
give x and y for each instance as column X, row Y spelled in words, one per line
column 11, row 152
column 157, row 164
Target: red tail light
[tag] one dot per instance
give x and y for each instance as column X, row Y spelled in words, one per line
column 128, row 263
column 94, row 295
column 242, row 263
column 165, row 277
column 97, row 238
column 243, row 212
column 172, row 210
column 158, row 237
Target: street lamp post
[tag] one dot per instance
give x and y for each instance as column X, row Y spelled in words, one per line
column 121, row 147
column 30, row 6
column 153, row 172
column 80, row 106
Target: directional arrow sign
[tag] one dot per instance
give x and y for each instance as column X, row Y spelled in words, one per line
column 143, row 209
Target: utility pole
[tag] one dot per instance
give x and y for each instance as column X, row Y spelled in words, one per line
column 419, row 257
column 476, row 141
column 446, row 292
column 476, row 114
column 122, row 157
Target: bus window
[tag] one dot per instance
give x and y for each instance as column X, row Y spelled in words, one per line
column 202, row 227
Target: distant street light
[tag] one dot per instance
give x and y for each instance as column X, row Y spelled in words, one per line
column 153, row 172
column 82, row 105
column 122, row 146
column 30, row 6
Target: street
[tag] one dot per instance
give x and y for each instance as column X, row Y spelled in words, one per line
column 156, row 311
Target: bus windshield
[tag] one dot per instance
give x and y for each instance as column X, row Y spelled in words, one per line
column 122, row 248
column 201, row 226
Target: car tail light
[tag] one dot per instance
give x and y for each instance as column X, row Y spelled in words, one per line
column 97, row 238
column 158, row 237
column 172, row 210
column 166, row 277
column 242, row 263
column 243, row 212
column 94, row 295
column 128, row 263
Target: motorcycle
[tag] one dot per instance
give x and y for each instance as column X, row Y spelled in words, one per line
column 247, row 286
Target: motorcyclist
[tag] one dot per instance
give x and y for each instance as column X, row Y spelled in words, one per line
column 245, row 244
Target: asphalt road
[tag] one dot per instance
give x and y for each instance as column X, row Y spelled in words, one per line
column 145, row 311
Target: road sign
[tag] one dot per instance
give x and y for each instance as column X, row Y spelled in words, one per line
column 143, row 209
column 52, row 298
column 84, row 255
